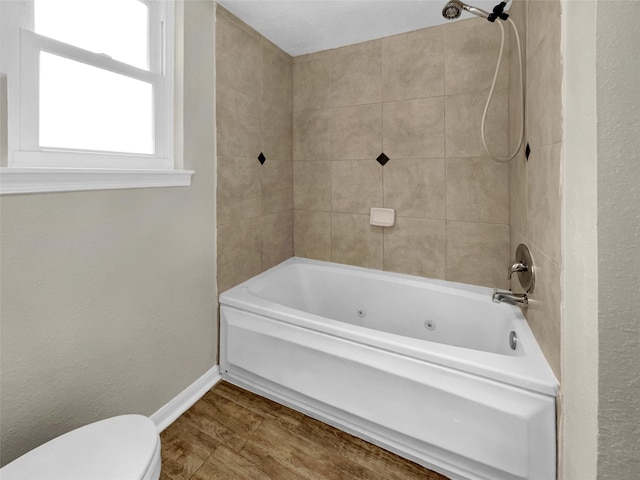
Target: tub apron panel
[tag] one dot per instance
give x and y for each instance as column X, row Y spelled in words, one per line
column 462, row 425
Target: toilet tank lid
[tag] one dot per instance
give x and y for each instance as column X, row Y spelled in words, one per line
column 120, row 447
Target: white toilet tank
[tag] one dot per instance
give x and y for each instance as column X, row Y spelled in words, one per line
column 126, row 447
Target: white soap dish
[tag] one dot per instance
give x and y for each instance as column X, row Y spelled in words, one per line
column 382, row 217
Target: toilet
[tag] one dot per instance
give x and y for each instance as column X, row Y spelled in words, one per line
column 126, row 447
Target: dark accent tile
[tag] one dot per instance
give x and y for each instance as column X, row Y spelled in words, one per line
column 527, row 151
column 262, row 158
column 382, row 159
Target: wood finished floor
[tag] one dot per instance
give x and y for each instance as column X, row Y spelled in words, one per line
column 232, row 434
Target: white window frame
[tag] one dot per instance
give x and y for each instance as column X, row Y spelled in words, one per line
column 31, row 168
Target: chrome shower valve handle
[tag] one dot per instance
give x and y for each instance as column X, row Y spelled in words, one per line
column 516, row 267
column 524, row 267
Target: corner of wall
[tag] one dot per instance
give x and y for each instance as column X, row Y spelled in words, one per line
column 535, row 181
column 254, row 200
column 579, row 419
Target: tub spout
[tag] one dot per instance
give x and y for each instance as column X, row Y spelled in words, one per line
column 501, row 296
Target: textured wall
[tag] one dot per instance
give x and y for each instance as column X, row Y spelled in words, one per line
column 579, row 417
column 417, row 98
column 108, row 303
column 536, row 193
column 254, row 201
column 3, row 120
column 618, row 103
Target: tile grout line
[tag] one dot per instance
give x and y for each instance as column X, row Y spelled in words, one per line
column 384, row 232
column 446, row 212
column 331, row 122
column 203, row 464
column 262, row 419
column 262, row 176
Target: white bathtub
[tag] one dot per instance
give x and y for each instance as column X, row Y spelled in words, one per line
column 421, row 367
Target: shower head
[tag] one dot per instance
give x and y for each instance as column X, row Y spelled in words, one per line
column 453, row 9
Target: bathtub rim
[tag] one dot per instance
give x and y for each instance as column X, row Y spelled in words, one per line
column 530, row 371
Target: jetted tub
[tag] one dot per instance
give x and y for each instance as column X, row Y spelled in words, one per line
column 431, row 370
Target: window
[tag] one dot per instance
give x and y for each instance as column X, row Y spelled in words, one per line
column 89, row 89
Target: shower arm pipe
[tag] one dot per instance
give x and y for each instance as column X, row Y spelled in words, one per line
column 476, row 11
column 509, row 157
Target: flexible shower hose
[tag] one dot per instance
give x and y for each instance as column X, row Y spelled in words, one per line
column 493, row 86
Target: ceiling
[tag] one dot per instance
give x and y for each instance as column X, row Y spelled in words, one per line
column 306, row 26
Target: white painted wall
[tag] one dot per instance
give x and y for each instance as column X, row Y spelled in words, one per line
column 601, row 348
column 3, row 120
column 618, row 103
column 579, row 426
column 109, row 297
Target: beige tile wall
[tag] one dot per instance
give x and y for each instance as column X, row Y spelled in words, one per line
column 411, row 97
column 254, row 90
column 417, row 97
column 536, row 196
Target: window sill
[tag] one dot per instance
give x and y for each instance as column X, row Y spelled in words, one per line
column 40, row 180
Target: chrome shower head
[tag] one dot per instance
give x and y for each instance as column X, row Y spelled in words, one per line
column 453, row 9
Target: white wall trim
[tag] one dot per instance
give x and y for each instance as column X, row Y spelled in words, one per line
column 38, row 180
column 168, row 414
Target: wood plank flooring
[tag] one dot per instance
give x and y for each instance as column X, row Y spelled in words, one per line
column 232, row 434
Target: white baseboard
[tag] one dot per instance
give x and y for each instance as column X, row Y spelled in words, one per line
column 168, row 414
